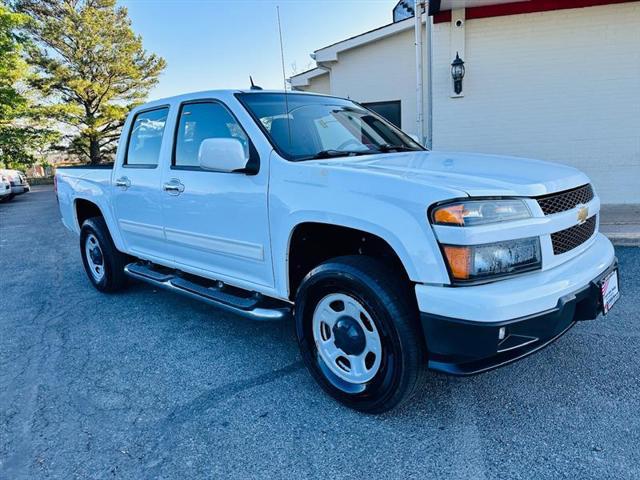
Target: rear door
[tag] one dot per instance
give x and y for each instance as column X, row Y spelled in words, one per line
column 136, row 189
column 216, row 223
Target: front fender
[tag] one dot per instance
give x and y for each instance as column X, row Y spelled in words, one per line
column 322, row 196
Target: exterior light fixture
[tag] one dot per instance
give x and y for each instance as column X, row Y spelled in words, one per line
column 457, row 73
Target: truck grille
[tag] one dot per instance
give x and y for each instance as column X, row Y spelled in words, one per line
column 571, row 237
column 563, row 201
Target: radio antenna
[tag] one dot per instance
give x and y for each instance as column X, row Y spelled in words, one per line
column 253, row 85
column 284, row 77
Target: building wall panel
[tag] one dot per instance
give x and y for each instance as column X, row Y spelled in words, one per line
column 561, row 85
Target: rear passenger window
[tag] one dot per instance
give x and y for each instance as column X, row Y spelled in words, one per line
column 145, row 138
column 199, row 121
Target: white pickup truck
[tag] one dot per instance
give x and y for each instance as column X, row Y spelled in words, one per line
column 390, row 258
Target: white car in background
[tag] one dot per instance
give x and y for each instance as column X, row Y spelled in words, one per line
column 17, row 180
column 5, row 189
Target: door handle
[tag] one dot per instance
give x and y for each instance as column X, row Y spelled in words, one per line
column 174, row 187
column 123, row 182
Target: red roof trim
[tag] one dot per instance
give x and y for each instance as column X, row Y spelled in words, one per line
column 523, row 7
column 442, row 17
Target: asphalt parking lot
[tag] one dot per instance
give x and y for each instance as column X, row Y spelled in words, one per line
column 146, row 384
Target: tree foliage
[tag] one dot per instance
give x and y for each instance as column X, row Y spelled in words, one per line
column 90, row 67
column 12, row 68
column 21, row 136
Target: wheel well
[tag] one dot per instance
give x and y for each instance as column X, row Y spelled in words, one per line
column 86, row 209
column 313, row 243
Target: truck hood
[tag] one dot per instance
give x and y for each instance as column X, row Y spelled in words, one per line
column 473, row 174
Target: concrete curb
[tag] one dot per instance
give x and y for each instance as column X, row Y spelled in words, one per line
column 624, row 239
column 621, row 223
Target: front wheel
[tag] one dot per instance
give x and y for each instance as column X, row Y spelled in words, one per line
column 358, row 333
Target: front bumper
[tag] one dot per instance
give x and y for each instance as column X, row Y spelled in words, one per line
column 463, row 346
column 459, row 347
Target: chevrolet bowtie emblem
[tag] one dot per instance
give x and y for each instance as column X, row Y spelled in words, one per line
column 583, row 213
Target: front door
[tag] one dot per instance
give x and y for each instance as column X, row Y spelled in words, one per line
column 216, row 223
column 136, row 189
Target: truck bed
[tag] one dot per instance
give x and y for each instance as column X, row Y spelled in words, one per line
column 102, row 166
column 82, row 182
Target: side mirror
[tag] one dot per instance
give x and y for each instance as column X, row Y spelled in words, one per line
column 222, row 155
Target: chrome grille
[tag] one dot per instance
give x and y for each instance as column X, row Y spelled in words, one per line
column 563, row 201
column 571, row 237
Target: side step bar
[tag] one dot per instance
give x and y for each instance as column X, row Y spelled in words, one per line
column 251, row 305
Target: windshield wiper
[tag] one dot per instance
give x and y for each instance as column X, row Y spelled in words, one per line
column 388, row 147
column 338, row 153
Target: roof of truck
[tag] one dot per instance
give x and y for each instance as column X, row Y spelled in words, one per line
column 228, row 91
column 221, row 94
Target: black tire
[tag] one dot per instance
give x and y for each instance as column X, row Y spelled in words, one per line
column 8, row 198
column 114, row 261
column 388, row 300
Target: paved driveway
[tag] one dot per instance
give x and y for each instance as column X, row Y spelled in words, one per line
column 145, row 384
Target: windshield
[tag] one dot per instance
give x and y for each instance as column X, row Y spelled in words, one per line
column 305, row 127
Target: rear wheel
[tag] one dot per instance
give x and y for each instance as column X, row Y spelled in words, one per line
column 358, row 332
column 103, row 262
column 7, row 198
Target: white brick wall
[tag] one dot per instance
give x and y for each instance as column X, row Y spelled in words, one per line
column 561, row 85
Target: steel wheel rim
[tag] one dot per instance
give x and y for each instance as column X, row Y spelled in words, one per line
column 346, row 338
column 94, row 256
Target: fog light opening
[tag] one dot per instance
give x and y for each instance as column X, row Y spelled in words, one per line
column 502, row 333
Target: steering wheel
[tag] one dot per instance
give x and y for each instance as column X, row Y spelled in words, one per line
column 344, row 144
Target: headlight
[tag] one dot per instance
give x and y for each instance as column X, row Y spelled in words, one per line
column 468, row 213
column 477, row 262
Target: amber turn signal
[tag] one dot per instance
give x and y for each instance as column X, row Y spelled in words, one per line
column 450, row 215
column 459, row 259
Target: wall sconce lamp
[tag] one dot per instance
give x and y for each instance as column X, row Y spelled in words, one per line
column 457, row 73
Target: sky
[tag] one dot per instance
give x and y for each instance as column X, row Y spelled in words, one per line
column 211, row 44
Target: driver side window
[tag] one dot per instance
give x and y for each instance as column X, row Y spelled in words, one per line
column 199, row 121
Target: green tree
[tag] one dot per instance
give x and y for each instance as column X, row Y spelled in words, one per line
column 90, row 67
column 20, row 135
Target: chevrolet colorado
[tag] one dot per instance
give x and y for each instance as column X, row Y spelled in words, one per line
column 388, row 256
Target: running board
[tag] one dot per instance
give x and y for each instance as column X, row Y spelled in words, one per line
column 251, row 305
